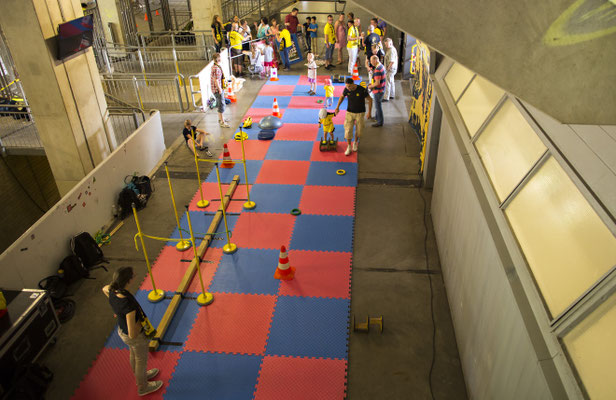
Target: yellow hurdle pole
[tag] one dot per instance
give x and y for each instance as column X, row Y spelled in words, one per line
column 201, row 203
column 204, row 298
column 249, row 205
column 182, row 245
column 155, row 295
column 228, row 248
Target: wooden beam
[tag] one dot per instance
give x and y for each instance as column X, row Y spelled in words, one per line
column 192, row 269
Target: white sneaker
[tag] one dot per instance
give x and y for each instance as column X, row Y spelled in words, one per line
column 355, row 146
column 225, row 125
column 151, row 373
column 348, row 151
column 151, row 387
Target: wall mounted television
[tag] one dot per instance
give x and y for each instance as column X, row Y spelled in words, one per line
column 74, row 36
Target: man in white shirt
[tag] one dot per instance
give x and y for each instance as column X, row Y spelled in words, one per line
column 391, row 67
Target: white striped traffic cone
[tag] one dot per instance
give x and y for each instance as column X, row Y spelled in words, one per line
column 230, row 94
column 226, row 158
column 276, row 109
column 274, row 74
column 284, row 271
column 355, row 73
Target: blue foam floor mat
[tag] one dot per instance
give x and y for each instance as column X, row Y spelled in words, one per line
column 248, row 271
column 309, row 327
column 268, row 101
column 201, row 222
column 323, row 233
column 226, row 174
column 301, row 116
column 289, row 150
column 272, row 198
column 285, row 80
column 323, row 173
column 214, row 376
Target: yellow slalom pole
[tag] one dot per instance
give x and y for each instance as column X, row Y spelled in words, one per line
column 182, row 245
column 249, row 205
column 204, row 298
column 228, row 248
column 155, row 295
column 201, row 203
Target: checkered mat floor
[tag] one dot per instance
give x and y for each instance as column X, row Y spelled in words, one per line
column 261, row 338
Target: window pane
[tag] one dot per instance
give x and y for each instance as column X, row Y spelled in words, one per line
column 508, row 148
column 567, row 246
column 457, row 78
column 477, row 102
column 592, row 349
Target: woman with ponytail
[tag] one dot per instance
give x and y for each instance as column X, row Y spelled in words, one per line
column 129, row 317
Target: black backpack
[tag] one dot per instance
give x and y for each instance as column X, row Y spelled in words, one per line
column 85, row 247
column 55, row 285
column 143, row 185
column 72, row 269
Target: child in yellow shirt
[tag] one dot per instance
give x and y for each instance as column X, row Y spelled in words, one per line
column 329, row 93
column 326, row 119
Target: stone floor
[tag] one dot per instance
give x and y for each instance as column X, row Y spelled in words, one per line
column 396, row 270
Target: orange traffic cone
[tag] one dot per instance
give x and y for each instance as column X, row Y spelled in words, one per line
column 276, row 110
column 284, row 271
column 274, row 74
column 157, row 12
column 226, row 158
column 355, row 73
column 231, row 94
column 145, row 17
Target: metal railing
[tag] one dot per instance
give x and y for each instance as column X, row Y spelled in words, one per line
column 163, row 92
column 18, row 131
column 125, row 121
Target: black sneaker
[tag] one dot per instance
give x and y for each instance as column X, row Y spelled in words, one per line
column 376, row 125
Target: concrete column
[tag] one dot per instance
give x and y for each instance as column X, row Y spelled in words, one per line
column 203, row 11
column 66, row 97
column 110, row 15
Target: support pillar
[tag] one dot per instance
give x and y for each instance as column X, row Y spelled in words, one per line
column 203, row 11
column 66, row 97
column 110, row 16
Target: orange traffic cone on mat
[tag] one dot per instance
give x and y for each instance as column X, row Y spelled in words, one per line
column 231, row 94
column 284, row 271
column 355, row 73
column 276, row 110
column 273, row 74
column 226, row 158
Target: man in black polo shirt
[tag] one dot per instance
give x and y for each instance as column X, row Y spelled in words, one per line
column 356, row 111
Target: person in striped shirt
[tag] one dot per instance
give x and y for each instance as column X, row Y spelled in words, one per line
column 378, row 87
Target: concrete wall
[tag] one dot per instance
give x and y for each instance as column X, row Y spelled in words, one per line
column 498, row 358
column 87, row 207
column 203, row 11
column 557, row 55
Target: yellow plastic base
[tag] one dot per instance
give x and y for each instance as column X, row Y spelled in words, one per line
column 183, row 245
column 203, row 203
column 229, row 248
column 205, row 298
column 249, row 205
column 156, row 295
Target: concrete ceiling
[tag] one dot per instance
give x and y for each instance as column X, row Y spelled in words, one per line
column 558, row 55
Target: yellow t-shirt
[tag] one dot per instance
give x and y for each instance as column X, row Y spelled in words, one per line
column 236, row 40
column 329, row 90
column 376, row 30
column 286, row 35
column 329, row 33
column 328, row 123
column 352, row 33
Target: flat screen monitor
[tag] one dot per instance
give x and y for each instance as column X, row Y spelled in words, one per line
column 74, row 36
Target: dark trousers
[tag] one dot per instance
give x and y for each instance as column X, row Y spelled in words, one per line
column 378, row 107
column 285, row 57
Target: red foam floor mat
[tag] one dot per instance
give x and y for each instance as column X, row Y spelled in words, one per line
column 111, row 377
column 284, row 378
column 258, row 113
column 211, row 193
column 300, row 132
column 307, row 102
column 339, row 119
column 303, row 79
column 263, row 231
column 328, row 200
column 277, row 90
column 284, row 172
column 319, row 274
column 169, row 269
column 255, row 149
column 334, row 156
column 233, row 323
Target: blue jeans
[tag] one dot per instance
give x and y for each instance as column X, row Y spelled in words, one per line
column 285, row 57
column 378, row 107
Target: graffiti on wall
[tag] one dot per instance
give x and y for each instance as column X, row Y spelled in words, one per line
column 421, row 94
column 584, row 20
